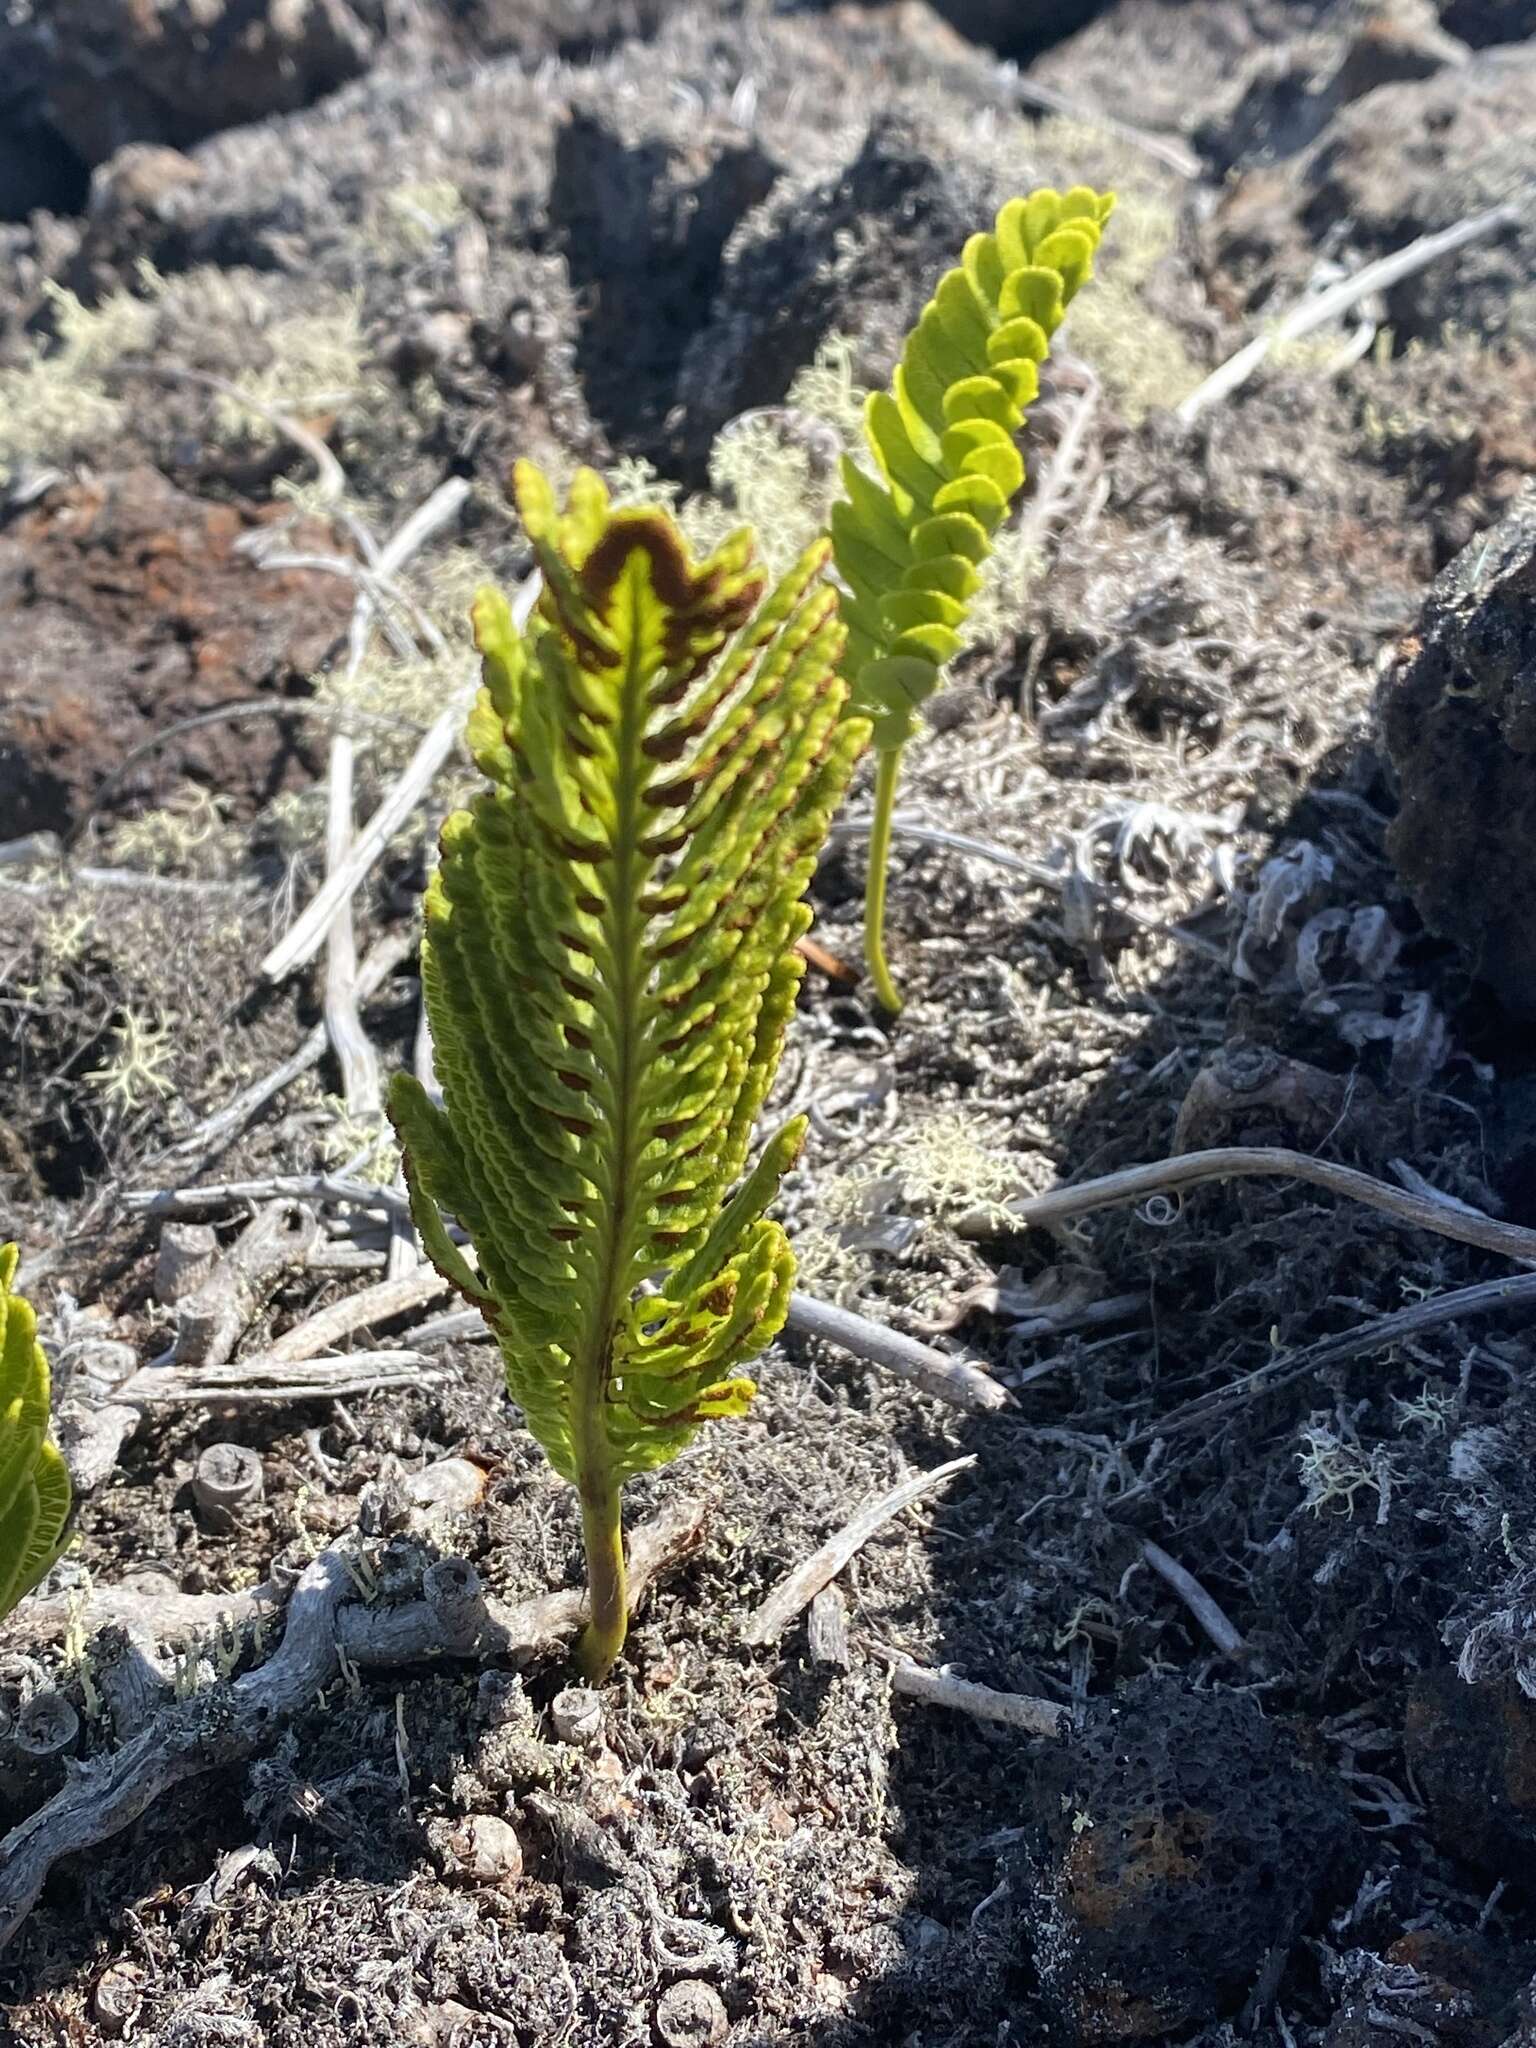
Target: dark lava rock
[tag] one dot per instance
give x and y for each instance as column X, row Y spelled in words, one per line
column 127, row 608
column 1397, row 162
column 96, row 74
column 1180, row 1839
column 1292, row 97
column 1472, row 1749
column 1490, row 21
column 644, row 207
column 574, row 29
column 856, row 255
column 1458, row 717
column 1171, row 64
column 1017, row 28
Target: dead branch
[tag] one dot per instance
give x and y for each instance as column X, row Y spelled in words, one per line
column 297, row 1187
column 361, row 1311
column 250, row 1382
column 1443, row 1215
column 228, row 1722
column 951, row 1380
column 211, row 1319
column 307, row 933
column 92, row 1440
column 361, row 1084
column 1062, row 483
column 770, row 1620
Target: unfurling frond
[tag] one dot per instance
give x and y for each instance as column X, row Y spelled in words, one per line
column 609, row 966
column 34, row 1486
column 910, row 543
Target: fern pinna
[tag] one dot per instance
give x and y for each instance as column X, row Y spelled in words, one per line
column 609, row 966
column 34, row 1485
column 910, row 543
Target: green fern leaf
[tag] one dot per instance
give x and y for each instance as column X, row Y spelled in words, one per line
column 609, row 966
column 34, row 1485
column 909, row 543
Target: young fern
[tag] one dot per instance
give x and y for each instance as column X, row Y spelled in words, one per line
column 609, row 966
column 34, row 1485
column 910, row 545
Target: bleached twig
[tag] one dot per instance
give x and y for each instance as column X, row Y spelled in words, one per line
column 1484, row 1297
column 947, row 1379
column 1319, row 308
column 267, row 1381
column 769, row 1621
column 1205, row 1609
column 361, row 1084
column 214, row 1132
column 307, row 933
column 1012, row 1709
column 1060, row 484
column 1446, row 1218
column 299, row 1187
column 1166, row 149
column 360, row 1311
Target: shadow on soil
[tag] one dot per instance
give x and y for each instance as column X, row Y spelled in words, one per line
column 1263, row 1824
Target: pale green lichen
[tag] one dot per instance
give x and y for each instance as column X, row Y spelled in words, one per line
column 55, row 406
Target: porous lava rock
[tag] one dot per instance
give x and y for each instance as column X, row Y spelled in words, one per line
column 854, row 254
column 1458, row 720
column 96, row 74
column 1473, row 1753
column 128, row 608
column 1177, row 1841
column 1403, row 160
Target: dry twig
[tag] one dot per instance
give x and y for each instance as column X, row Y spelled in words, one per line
column 249, row 1382
column 1319, row 308
column 305, row 937
column 1444, row 1216
column 361, row 1084
column 371, row 1305
column 229, row 1194
column 1012, row 1709
column 786, row 1600
column 1199, row 1602
column 1486, row 1297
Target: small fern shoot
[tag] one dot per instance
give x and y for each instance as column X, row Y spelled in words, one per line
column 609, row 966
column 34, row 1485
column 910, row 543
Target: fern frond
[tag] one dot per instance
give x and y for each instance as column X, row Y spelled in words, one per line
column 609, row 966
column 910, row 541
column 34, row 1485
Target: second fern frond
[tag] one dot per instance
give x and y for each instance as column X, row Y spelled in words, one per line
column 910, row 541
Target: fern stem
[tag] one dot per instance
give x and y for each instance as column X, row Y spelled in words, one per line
column 602, row 1533
column 887, row 770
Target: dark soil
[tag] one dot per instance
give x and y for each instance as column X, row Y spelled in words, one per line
column 1314, row 1832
